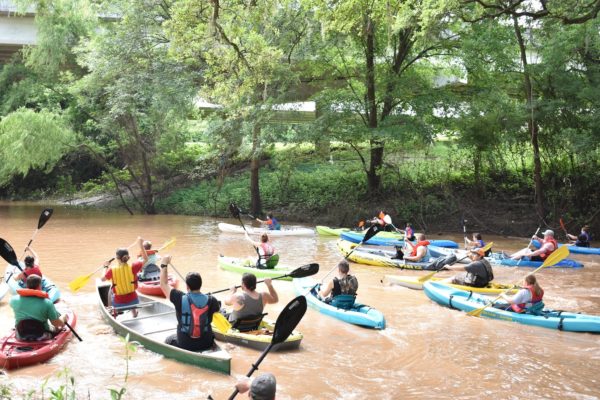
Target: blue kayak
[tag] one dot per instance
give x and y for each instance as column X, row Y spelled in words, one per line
column 469, row 301
column 502, row 259
column 356, row 237
column 359, row 314
column 574, row 249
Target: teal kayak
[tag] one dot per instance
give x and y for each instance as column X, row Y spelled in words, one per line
column 574, row 249
column 469, row 301
column 242, row 265
column 359, row 314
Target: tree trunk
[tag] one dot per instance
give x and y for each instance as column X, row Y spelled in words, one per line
column 254, row 169
column 373, row 178
column 531, row 125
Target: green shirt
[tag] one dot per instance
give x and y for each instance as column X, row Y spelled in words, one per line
column 33, row 308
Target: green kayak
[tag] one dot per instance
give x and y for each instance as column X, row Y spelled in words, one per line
column 241, row 265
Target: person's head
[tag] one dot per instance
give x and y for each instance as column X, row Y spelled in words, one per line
column 477, row 236
column 249, row 281
column 585, row 228
column 29, row 261
column 477, row 254
column 34, row 281
column 264, row 238
column 122, row 255
column 420, row 237
column 531, row 280
column 548, row 233
column 263, row 387
column 147, row 245
column 193, row 280
column 269, row 215
column 408, row 225
column 343, row 267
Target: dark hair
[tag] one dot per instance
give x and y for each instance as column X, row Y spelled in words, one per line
column 343, row 266
column 29, row 261
column 33, row 281
column 193, row 280
column 264, row 238
column 477, row 236
column 122, row 255
column 270, row 215
column 249, row 280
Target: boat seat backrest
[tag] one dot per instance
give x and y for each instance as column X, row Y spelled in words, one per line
column 30, row 329
column 249, row 323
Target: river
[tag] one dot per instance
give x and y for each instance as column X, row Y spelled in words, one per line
column 426, row 351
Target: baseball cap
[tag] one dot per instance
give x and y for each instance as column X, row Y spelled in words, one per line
column 478, row 251
column 263, row 387
column 548, row 232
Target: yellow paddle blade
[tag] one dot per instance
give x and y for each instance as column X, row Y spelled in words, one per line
column 79, row 282
column 220, row 322
column 430, row 275
column 168, row 244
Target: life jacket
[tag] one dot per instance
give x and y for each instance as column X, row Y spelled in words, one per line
column 123, row 279
column 583, row 240
column 423, row 243
column 346, row 285
column 554, row 243
column 32, row 293
column 268, row 250
column 194, row 315
column 409, row 233
column 274, row 225
column 534, row 303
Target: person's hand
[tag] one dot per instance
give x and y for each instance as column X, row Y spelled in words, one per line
column 233, row 289
column 165, row 260
column 268, row 281
column 243, row 385
column 107, row 263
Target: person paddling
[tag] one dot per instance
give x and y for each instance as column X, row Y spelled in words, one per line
column 32, row 267
column 271, row 222
column 248, row 305
column 150, row 259
column 477, row 274
column 263, row 387
column 419, row 251
column 194, row 311
column 124, row 280
column 583, row 239
column 477, row 243
column 265, row 251
column 527, row 300
column 548, row 246
column 341, row 291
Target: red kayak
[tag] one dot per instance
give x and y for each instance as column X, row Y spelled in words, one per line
column 152, row 288
column 16, row 353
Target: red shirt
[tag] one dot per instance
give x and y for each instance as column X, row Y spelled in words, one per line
column 129, row 297
column 33, row 270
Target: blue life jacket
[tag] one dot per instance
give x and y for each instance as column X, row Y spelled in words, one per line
column 194, row 315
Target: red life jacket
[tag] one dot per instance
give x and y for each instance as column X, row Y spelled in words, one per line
column 423, row 243
column 521, row 308
column 554, row 244
column 35, row 270
column 32, row 293
column 267, row 249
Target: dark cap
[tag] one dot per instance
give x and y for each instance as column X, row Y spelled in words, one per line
column 263, row 387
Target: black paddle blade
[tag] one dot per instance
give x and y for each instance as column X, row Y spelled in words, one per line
column 372, row 231
column 44, row 217
column 305, row 270
column 234, row 210
column 8, row 253
column 288, row 319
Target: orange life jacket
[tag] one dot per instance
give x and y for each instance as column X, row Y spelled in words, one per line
column 32, row 293
column 423, row 243
column 520, row 308
column 554, row 244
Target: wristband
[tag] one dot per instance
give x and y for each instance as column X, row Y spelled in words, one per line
column 164, row 265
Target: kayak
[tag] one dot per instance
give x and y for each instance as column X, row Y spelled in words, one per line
column 17, row 353
column 356, row 237
column 47, row 285
column 574, row 249
column 242, row 265
column 258, row 339
column 377, row 257
column 359, row 314
column 229, row 228
column 155, row 322
column 468, row 301
column 327, row 231
column 501, row 259
column 413, row 282
column 151, row 287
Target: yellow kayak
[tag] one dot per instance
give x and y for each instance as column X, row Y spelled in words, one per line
column 258, row 339
column 413, row 282
column 377, row 257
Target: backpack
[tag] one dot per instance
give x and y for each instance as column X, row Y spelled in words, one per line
column 194, row 315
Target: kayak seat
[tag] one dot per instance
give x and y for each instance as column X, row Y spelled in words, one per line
column 150, row 272
column 31, row 330
column 247, row 324
column 344, row 301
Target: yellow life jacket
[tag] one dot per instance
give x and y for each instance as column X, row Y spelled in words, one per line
column 124, row 282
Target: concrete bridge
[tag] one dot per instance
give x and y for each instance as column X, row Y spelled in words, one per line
column 16, row 31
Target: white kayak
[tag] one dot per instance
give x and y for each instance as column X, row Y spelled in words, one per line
column 230, row 228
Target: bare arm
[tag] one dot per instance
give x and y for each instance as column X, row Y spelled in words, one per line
column 271, row 297
column 143, row 252
column 325, row 292
column 421, row 251
column 230, row 298
column 164, row 276
column 544, row 249
column 455, row 267
column 255, row 244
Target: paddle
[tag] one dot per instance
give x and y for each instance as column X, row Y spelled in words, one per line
column 531, row 241
column 465, row 231
column 235, row 211
column 76, row 284
column 554, row 258
column 73, row 331
column 562, row 225
column 286, row 323
column 300, row 272
column 430, row 275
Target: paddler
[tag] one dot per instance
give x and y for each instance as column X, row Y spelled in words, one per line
column 32, row 267
column 341, row 290
column 248, row 305
column 478, row 273
column 549, row 245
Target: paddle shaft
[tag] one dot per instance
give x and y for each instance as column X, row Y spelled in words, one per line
column 73, row 330
column 465, row 231
column 261, row 281
column 531, row 241
column 254, row 368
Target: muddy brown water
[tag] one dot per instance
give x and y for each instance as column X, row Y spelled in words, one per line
column 426, row 351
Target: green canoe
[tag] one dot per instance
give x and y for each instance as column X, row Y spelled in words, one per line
column 241, row 265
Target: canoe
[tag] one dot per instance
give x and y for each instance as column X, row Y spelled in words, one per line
column 258, row 339
column 377, row 257
column 229, row 228
column 155, row 322
column 360, row 314
column 574, row 249
column 240, row 266
column 356, row 237
column 413, row 282
column 501, row 259
column 16, row 353
column 152, row 287
column 467, row 301
column 47, row 285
